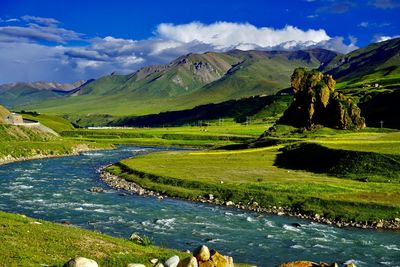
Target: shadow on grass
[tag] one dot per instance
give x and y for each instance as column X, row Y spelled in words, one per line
column 356, row 165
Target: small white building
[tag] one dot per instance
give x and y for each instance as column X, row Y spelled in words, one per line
column 14, row 118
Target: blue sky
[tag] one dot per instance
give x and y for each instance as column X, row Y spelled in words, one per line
column 71, row 40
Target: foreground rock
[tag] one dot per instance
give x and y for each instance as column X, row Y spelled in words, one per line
column 202, row 253
column 188, row 262
column 81, row 262
column 172, row 262
column 317, row 103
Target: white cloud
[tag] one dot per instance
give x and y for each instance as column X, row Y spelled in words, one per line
column 382, row 38
column 40, row 20
column 12, row 20
column 225, row 35
column 100, row 56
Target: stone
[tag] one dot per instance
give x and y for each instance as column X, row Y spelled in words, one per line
column 350, row 265
column 136, row 238
column 153, row 261
column 379, row 225
column 172, row 262
column 300, row 264
column 81, row 262
column 229, row 203
column 188, row 262
column 218, row 260
column 159, row 264
column 230, row 261
column 202, row 253
column 135, row 265
column 208, row 263
column 96, row 190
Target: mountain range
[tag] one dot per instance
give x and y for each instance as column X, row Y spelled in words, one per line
column 186, row 82
column 198, row 79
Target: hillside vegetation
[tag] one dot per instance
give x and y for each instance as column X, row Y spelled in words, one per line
column 62, row 242
column 189, row 81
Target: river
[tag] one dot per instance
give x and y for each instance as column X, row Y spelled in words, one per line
column 56, row 189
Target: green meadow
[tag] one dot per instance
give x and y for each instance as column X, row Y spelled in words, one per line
column 356, row 185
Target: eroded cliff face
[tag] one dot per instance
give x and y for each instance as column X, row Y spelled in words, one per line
column 317, row 103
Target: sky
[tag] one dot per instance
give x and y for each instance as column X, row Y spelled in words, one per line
column 70, row 40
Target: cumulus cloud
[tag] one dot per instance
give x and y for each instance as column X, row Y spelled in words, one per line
column 225, row 35
column 28, row 58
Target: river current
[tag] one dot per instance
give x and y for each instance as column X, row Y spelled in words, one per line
column 57, row 190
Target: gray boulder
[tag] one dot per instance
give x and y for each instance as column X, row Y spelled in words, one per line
column 81, row 262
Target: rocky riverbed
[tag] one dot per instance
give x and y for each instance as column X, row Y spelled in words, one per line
column 120, row 183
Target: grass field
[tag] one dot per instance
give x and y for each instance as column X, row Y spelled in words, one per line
column 30, row 242
column 253, row 175
column 214, row 135
column 24, row 242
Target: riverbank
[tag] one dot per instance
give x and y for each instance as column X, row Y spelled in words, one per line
column 249, row 180
column 27, row 150
column 63, row 242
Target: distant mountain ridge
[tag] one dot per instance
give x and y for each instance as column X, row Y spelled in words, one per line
column 188, row 81
column 13, row 94
column 41, row 85
column 198, row 79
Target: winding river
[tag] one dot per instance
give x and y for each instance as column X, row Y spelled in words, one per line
column 57, row 190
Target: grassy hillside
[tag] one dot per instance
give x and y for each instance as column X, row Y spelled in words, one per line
column 54, row 122
column 376, row 63
column 187, row 82
column 25, row 95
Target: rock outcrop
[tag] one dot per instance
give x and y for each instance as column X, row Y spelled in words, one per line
column 317, row 103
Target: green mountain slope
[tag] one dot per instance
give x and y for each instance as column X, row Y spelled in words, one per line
column 188, row 81
column 378, row 62
column 16, row 94
column 371, row 76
